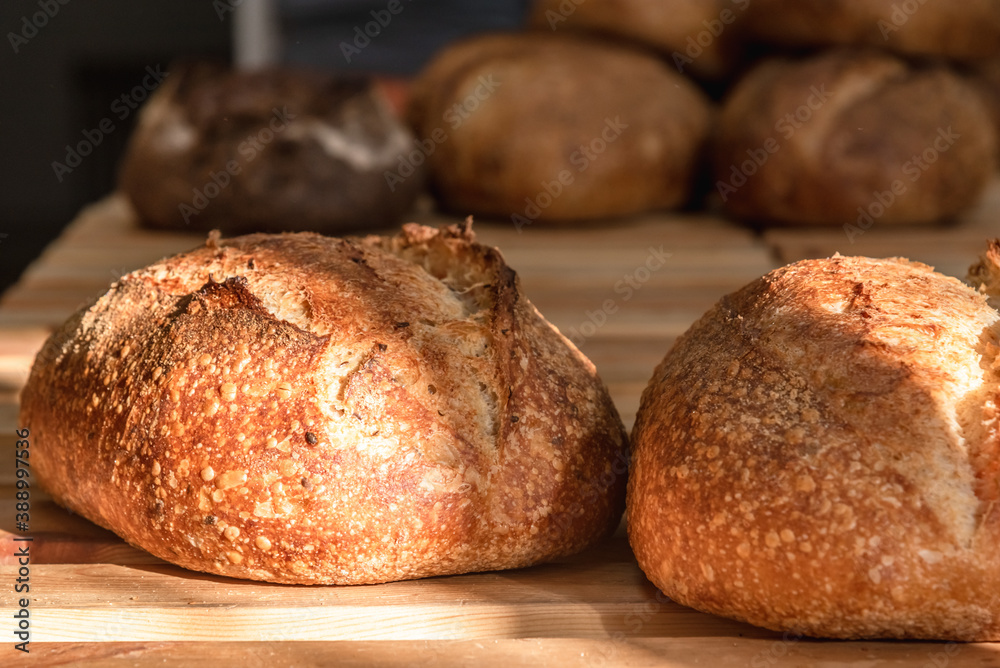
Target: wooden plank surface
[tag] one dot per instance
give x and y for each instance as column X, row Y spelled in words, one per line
column 561, row 652
column 623, row 292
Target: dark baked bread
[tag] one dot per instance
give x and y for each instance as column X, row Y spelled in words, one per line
column 819, row 453
column 306, row 409
column 532, row 127
column 697, row 36
column 966, row 30
column 267, row 151
column 852, row 138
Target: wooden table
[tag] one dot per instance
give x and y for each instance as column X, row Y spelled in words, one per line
column 97, row 601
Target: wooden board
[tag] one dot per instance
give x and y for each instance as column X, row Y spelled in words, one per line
column 529, row 652
column 624, row 292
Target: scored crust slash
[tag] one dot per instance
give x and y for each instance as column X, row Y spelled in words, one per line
column 306, row 409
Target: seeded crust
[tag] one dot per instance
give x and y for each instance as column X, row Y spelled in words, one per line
column 819, row 454
column 304, row 409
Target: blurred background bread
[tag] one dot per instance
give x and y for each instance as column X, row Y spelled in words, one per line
column 852, row 137
column 555, row 128
column 711, row 44
column 268, row 150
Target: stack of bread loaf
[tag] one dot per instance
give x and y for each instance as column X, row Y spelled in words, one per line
column 831, row 113
column 817, row 454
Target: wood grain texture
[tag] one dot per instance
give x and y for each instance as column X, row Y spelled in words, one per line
column 530, row 652
column 97, row 601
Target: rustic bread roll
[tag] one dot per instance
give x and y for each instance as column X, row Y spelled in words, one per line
column 305, row 409
column 266, row 151
column 554, row 128
column 852, row 138
column 961, row 30
column 700, row 36
column 819, row 453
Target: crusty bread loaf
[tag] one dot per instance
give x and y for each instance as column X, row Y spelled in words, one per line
column 966, row 30
column 856, row 138
column 553, row 128
column 305, row 409
column 819, row 454
column 267, row 151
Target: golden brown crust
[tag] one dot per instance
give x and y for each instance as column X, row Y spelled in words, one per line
column 305, row 409
column 852, row 138
column 819, row 454
column 555, row 128
column 969, row 30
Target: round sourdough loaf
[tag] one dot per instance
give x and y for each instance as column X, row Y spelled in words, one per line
column 533, row 127
column 305, row 409
column 819, row 454
column 267, row 151
column 852, row 138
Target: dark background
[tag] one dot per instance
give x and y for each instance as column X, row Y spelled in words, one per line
column 64, row 80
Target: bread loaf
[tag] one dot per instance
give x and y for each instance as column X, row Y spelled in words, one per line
column 267, row 151
column 818, row 454
column 304, row 409
column 541, row 128
column 852, row 138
